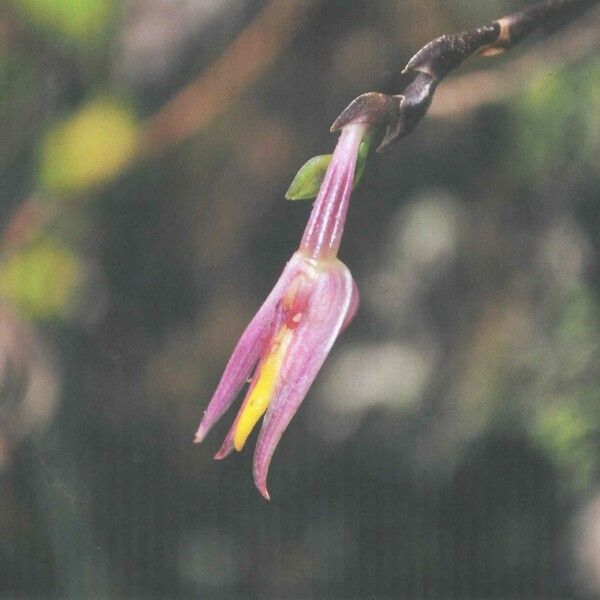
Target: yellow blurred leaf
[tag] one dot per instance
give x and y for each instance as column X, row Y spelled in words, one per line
column 90, row 147
column 81, row 21
column 40, row 281
column 556, row 119
column 565, row 432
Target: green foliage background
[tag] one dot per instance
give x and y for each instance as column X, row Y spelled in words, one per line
column 449, row 449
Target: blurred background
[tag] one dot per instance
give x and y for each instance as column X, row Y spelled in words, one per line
column 450, row 447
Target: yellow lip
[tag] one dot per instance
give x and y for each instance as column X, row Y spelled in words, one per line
column 262, row 392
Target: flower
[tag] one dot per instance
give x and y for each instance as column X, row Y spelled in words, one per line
column 289, row 338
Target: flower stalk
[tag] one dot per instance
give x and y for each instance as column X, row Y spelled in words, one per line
column 323, row 233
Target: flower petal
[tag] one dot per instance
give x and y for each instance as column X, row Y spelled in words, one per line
column 328, row 307
column 353, row 308
column 246, row 352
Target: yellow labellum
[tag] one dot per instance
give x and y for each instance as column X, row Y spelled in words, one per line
column 262, row 393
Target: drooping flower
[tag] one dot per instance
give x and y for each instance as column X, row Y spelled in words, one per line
column 289, row 338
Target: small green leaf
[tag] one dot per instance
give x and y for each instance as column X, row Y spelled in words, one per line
column 308, row 179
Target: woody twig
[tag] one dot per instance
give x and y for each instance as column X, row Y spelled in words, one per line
column 401, row 113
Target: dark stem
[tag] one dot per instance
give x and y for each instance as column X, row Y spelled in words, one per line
column 424, row 71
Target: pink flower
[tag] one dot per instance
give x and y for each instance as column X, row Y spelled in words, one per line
column 289, row 338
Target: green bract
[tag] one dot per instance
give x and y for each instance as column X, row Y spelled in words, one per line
column 307, row 181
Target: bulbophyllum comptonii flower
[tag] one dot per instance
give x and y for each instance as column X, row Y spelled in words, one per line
column 289, row 338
